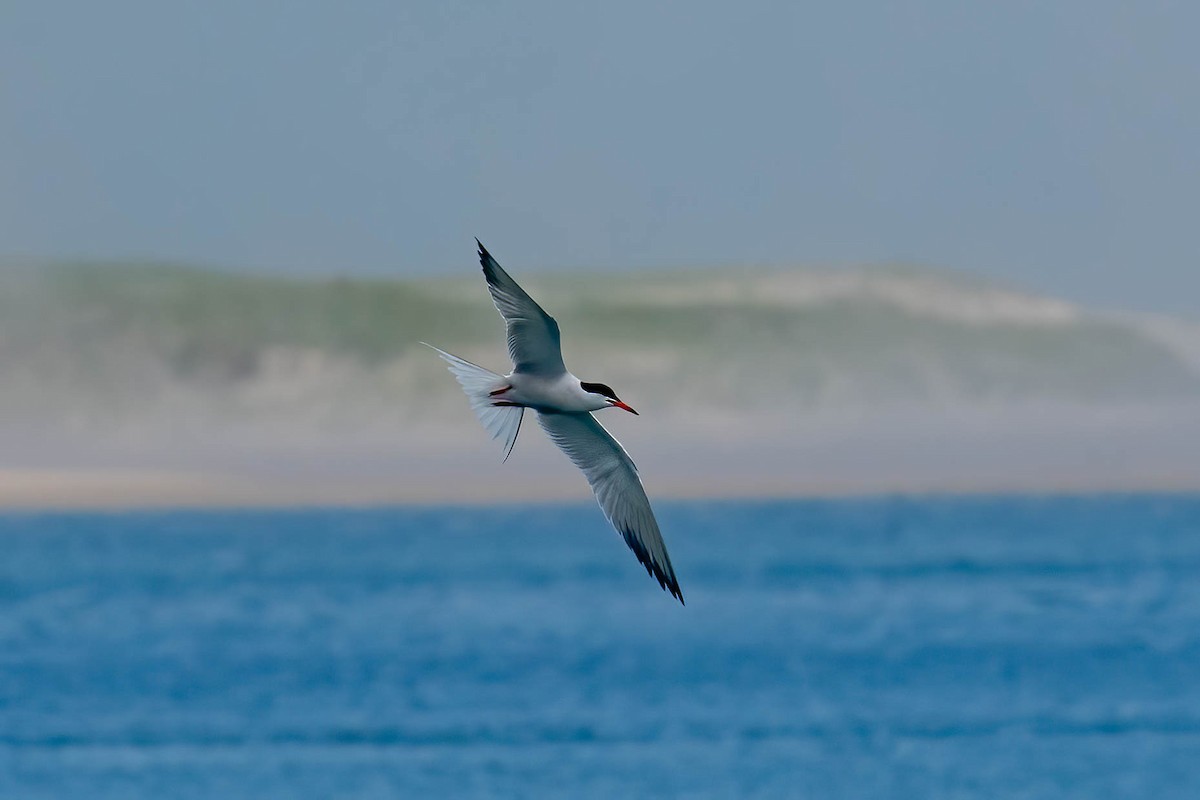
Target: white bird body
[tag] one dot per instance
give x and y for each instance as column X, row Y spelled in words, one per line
column 540, row 381
column 563, row 394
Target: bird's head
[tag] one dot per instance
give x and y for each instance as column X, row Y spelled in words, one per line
column 605, row 394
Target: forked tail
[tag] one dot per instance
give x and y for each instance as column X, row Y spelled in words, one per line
column 502, row 422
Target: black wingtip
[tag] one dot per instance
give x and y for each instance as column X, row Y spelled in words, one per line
column 675, row 591
column 486, row 261
column 666, row 578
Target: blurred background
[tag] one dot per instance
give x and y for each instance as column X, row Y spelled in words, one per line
column 846, row 248
column 906, row 295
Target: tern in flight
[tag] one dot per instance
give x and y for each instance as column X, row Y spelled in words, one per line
column 540, row 381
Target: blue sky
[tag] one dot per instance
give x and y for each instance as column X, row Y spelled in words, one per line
column 1049, row 145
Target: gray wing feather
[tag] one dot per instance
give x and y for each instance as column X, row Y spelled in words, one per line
column 534, row 341
column 618, row 489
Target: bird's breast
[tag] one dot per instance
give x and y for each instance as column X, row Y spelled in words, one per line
column 561, row 393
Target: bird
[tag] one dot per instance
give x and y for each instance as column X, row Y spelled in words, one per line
column 539, row 381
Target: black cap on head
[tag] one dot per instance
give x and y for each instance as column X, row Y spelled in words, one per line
column 599, row 388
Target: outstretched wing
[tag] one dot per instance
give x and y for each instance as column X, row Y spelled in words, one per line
column 533, row 337
column 614, row 480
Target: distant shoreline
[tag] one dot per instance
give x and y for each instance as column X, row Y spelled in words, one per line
column 174, row 387
column 129, row 490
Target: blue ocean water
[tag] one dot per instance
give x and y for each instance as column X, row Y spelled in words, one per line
column 885, row 648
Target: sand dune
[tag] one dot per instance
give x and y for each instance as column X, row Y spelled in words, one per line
column 132, row 385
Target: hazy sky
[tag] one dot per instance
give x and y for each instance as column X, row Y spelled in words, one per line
column 1054, row 145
